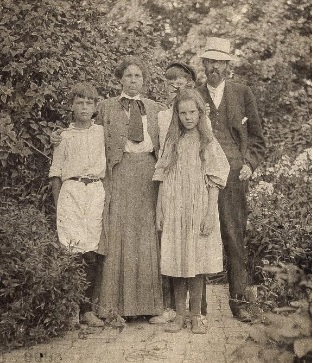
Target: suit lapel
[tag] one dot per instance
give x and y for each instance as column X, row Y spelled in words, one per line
column 152, row 124
column 121, row 109
column 149, row 119
column 205, row 93
column 230, row 102
column 148, row 111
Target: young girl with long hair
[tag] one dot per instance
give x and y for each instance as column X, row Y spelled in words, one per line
column 192, row 168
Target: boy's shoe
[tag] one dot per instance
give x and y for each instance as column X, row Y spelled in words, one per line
column 167, row 316
column 197, row 325
column 91, row 319
column 177, row 325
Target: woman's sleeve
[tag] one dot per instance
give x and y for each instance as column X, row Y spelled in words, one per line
column 216, row 165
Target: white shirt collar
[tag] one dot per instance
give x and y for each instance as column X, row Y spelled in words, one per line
column 123, row 94
column 217, row 93
column 218, row 90
column 72, row 126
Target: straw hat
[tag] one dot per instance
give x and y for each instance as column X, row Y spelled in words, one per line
column 218, row 49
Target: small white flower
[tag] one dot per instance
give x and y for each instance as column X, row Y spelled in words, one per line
column 244, row 120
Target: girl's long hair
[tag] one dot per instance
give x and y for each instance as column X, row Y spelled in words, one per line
column 177, row 130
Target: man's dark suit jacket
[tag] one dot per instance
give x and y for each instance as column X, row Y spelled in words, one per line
column 243, row 120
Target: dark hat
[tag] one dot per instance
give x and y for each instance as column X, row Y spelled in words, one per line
column 187, row 68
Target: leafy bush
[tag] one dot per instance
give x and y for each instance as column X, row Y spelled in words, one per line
column 45, row 48
column 279, row 235
column 284, row 333
column 280, row 219
column 40, row 282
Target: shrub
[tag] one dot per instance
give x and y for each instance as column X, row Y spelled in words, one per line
column 46, row 47
column 279, row 234
column 40, row 282
column 280, row 220
column 284, row 333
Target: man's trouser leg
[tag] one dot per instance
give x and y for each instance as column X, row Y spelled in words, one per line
column 233, row 218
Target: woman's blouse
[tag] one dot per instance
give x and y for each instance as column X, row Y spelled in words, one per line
column 146, row 145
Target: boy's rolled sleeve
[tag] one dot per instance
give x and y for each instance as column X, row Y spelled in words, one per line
column 58, row 161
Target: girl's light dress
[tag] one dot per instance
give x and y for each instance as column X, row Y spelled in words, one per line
column 184, row 251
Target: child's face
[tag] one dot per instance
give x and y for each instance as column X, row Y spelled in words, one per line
column 132, row 80
column 188, row 114
column 83, row 108
column 173, row 85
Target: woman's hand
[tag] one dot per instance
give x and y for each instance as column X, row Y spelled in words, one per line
column 207, row 224
column 55, row 137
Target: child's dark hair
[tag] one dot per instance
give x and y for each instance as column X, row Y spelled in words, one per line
column 83, row 90
column 177, row 130
column 177, row 72
column 130, row 61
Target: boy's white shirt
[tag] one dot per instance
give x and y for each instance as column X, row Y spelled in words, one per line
column 80, row 153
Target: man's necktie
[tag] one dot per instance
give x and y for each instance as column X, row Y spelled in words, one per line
column 136, row 110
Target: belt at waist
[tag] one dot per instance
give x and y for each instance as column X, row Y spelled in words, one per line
column 86, row 181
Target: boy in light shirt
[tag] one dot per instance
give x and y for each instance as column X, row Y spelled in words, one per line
column 76, row 174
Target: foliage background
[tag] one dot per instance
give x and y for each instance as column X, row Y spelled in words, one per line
column 41, row 283
column 47, row 45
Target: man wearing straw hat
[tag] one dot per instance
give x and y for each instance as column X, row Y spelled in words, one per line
column 236, row 125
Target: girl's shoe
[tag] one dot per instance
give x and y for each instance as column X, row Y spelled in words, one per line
column 177, row 324
column 167, row 316
column 197, row 325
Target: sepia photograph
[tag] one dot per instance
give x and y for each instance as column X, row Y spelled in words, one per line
column 156, row 181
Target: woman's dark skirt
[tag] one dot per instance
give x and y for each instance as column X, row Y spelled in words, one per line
column 131, row 280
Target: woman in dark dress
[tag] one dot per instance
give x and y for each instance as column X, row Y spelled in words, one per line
column 131, row 281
